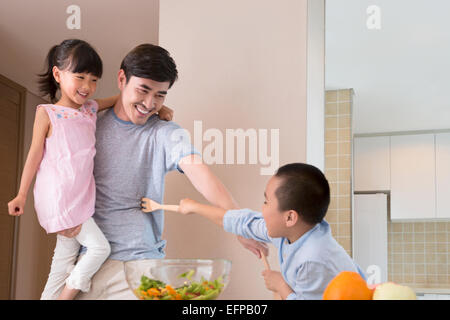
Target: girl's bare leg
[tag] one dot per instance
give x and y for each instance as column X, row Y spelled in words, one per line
column 68, row 293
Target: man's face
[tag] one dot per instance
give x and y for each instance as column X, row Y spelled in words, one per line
column 141, row 97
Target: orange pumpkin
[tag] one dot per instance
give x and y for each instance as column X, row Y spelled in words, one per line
column 348, row 285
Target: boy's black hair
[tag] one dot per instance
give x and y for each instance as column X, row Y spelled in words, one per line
column 151, row 62
column 305, row 189
column 77, row 55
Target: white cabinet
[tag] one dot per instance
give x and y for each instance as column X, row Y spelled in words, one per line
column 371, row 164
column 413, row 183
column 443, row 175
column 370, row 248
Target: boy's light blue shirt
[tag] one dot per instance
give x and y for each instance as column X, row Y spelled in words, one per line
column 308, row 264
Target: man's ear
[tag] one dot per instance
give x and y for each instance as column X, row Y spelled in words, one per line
column 121, row 79
column 291, row 218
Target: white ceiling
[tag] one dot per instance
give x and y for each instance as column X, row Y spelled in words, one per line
column 400, row 74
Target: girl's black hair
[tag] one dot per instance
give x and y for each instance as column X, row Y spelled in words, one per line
column 76, row 55
column 305, row 189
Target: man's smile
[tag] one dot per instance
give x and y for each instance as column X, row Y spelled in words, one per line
column 142, row 110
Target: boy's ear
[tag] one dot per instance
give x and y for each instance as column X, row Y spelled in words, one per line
column 291, row 218
column 121, row 79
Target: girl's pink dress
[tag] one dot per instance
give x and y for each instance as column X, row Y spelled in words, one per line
column 64, row 191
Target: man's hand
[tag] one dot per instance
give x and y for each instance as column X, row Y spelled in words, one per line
column 71, row 233
column 254, row 246
column 165, row 113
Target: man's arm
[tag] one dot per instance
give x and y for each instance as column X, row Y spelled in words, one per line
column 204, row 180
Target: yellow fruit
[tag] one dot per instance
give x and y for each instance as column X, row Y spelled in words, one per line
column 393, row 291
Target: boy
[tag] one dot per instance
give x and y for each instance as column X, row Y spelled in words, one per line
column 296, row 201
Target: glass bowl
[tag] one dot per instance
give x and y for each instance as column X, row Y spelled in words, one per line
column 182, row 279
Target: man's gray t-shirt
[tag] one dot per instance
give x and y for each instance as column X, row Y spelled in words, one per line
column 131, row 163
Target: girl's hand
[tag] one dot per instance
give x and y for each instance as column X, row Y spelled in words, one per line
column 187, row 206
column 165, row 113
column 16, row 205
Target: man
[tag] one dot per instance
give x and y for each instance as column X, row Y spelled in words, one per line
column 135, row 150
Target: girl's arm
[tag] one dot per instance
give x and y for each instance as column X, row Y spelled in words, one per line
column 165, row 113
column 106, row 102
column 40, row 130
column 215, row 214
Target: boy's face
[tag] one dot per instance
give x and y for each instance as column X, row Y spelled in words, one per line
column 275, row 221
column 141, row 97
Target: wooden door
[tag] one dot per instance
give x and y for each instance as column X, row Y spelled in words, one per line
column 12, row 102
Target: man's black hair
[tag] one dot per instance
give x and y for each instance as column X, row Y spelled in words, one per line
column 151, row 62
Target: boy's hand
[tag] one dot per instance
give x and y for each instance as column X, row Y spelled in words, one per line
column 16, row 205
column 165, row 113
column 275, row 282
column 273, row 279
column 187, row 206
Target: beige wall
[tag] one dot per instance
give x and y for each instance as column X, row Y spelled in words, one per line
column 28, row 29
column 242, row 64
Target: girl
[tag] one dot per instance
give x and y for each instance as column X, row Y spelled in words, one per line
column 62, row 154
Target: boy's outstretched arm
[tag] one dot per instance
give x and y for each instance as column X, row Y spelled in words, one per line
column 215, row 192
column 215, row 214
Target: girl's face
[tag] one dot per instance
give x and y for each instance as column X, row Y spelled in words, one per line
column 76, row 88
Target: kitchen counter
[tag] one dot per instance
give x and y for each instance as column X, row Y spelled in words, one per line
column 431, row 290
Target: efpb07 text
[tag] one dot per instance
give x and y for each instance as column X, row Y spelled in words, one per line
column 229, row 309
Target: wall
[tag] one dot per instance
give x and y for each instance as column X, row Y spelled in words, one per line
column 35, row 247
column 418, row 253
column 242, row 64
column 28, row 29
column 399, row 72
column 338, row 146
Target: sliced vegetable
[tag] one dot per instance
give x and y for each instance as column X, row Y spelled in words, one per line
column 151, row 289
